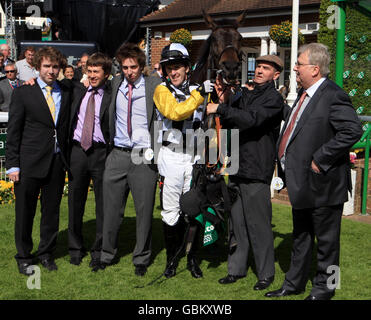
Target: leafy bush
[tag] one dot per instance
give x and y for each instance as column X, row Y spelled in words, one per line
column 182, row 36
column 357, row 55
column 6, row 192
column 281, row 33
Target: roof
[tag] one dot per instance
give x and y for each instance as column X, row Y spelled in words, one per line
column 180, row 9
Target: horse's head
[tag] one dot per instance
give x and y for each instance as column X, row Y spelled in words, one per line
column 225, row 46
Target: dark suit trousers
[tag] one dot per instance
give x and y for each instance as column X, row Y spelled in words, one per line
column 251, row 217
column 323, row 224
column 27, row 191
column 85, row 166
column 121, row 176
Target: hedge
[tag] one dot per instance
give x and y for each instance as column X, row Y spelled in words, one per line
column 357, row 55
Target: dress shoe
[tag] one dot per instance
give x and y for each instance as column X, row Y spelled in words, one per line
column 98, row 265
column 94, row 262
column 25, row 268
column 170, row 270
column 281, row 293
column 49, row 264
column 327, row 296
column 75, row 260
column 193, row 266
column 140, row 270
column 229, row 279
column 264, row 283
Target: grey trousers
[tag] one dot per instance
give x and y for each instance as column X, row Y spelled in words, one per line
column 250, row 220
column 120, row 177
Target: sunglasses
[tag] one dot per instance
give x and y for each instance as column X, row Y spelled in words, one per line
column 9, row 71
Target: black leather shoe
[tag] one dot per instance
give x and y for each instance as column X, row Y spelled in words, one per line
column 49, row 264
column 229, row 279
column 75, row 260
column 25, row 268
column 281, row 293
column 140, row 270
column 193, row 266
column 320, row 297
column 94, row 262
column 264, row 283
column 98, row 265
column 170, row 270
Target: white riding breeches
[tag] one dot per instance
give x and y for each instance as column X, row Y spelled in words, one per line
column 175, row 169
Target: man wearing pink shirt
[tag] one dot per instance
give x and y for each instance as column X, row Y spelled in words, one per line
column 89, row 135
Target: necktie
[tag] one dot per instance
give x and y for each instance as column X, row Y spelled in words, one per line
column 130, row 95
column 50, row 101
column 86, row 140
column 290, row 127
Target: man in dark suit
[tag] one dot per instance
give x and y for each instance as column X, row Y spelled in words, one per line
column 89, row 136
column 7, row 86
column 131, row 115
column 36, row 157
column 313, row 160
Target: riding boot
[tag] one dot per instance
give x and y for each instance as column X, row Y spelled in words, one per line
column 192, row 264
column 171, row 237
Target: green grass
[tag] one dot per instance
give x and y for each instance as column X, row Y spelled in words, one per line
column 119, row 282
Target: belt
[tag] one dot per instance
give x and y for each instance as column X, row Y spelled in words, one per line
column 95, row 145
column 125, row 149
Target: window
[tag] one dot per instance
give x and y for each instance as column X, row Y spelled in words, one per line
column 251, row 65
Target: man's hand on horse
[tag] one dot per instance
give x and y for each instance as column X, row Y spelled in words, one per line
column 211, row 108
column 222, row 90
column 206, row 87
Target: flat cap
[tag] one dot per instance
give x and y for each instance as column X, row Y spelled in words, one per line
column 272, row 59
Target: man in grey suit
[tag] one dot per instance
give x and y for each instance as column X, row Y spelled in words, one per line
column 131, row 116
column 7, row 86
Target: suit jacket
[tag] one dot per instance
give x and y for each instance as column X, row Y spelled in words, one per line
column 78, row 95
column 150, row 86
column 6, row 94
column 30, row 143
column 326, row 130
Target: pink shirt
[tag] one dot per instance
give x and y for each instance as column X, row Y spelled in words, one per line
column 97, row 132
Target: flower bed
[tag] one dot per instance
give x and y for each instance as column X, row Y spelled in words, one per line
column 6, row 192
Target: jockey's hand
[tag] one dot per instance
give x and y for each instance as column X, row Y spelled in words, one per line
column 206, row 87
column 211, row 108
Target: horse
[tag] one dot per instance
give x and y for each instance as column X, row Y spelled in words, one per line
column 219, row 61
column 220, row 54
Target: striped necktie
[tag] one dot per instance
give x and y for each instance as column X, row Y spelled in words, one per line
column 290, row 127
column 50, row 101
column 86, row 140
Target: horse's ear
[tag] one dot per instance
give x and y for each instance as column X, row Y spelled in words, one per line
column 209, row 21
column 241, row 18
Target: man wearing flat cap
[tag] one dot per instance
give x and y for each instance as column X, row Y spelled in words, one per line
column 257, row 113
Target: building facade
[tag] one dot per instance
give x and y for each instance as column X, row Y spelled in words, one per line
column 261, row 15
